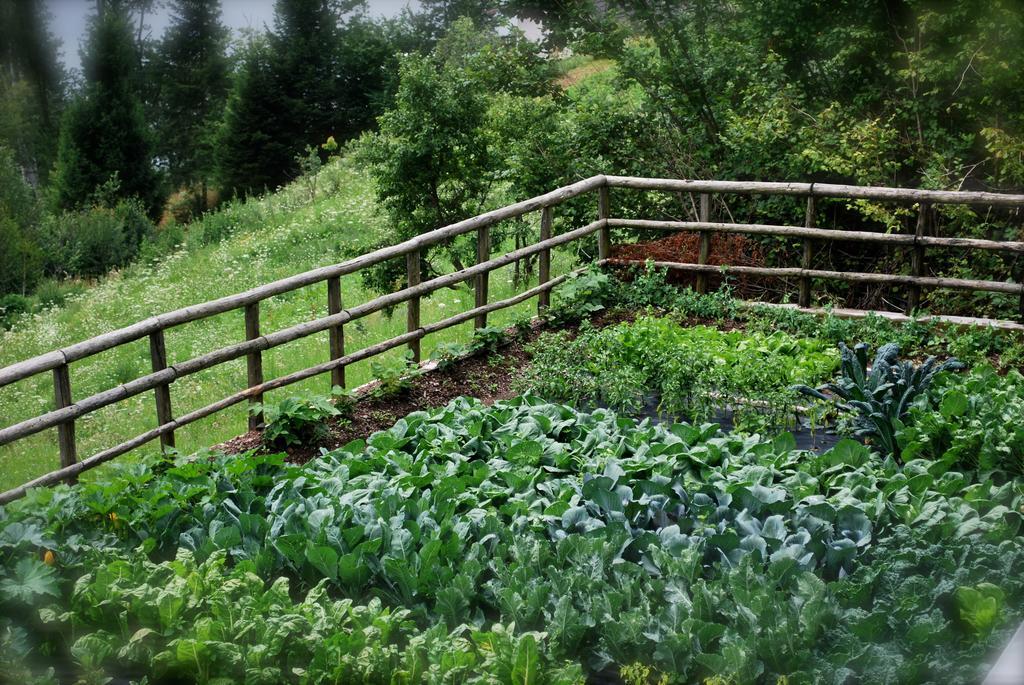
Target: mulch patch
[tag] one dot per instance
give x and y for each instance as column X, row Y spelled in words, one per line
column 727, row 249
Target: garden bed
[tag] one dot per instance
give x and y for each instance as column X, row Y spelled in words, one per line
column 529, row 541
column 497, row 374
column 483, row 376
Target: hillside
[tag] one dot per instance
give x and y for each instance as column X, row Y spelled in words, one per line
column 272, row 237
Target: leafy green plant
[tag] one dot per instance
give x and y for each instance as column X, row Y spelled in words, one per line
column 580, row 297
column 667, row 549
column 447, row 355
column 296, row 420
column 690, row 371
column 394, row 375
column 970, row 422
column 880, row 395
column 488, row 339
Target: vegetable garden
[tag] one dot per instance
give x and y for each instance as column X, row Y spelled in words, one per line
column 543, row 539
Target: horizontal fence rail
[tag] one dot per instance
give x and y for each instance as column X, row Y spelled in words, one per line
column 163, row 375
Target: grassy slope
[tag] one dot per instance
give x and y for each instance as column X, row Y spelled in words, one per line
column 284, row 234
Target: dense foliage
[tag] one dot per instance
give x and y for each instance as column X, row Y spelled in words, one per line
column 193, row 73
column 506, row 543
column 688, row 371
column 907, row 94
column 104, row 135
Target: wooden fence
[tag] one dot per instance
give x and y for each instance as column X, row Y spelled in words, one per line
column 163, row 374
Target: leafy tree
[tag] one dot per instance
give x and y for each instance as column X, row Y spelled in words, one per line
column 435, row 18
column 591, row 27
column 20, row 256
column 104, row 131
column 431, row 158
column 194, row 76
column 508, row 63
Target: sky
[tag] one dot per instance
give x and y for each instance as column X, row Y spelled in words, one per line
column 69, row 19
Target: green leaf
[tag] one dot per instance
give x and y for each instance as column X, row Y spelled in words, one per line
column 980, row 606
column 527, row 661
column 774, row 528
column 352, row 569
column 600, row 490
column 525, row 453
column 954, row 403
column 31, row 579
column 324, row 559
column 848, row 452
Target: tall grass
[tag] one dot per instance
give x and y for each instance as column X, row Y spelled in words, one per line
column 259, row 241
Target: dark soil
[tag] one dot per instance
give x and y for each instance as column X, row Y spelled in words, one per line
column 486, row 377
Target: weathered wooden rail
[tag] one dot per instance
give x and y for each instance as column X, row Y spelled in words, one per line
column 163, row 375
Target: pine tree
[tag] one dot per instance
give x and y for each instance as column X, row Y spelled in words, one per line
column 194, row 78
column 313, row 77
column 305, row 43
column 32, row 84
column 103, row 133
column 252, row 156
column 285, row 97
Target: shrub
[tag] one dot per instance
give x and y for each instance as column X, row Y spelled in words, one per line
column 215, row 226
column 165, row 240
column 11, row 307
column 54, row 293
column 20, row 256
column 93, row 241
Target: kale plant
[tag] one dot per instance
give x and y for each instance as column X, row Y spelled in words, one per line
column 880, row 395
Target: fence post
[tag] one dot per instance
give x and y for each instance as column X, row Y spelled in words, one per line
column 253, row 362
column 604, row 235
column 705, row 242
column 805, row 261
column 483, row 253
column 66, row 430
column 544, row 260
column 412, row 319
column 336, row 333
column 917, row 257
column 158, row 358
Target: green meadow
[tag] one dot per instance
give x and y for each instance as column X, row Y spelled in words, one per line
column 269, row 238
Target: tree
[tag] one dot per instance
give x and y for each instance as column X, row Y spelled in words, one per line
column 431, row 158
column 104, row 133
column 20, row 257
column 312, row 77
column 436, row 17
column 305, row 46
column 32, row 86
column 194, row 76
column 251, row 155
